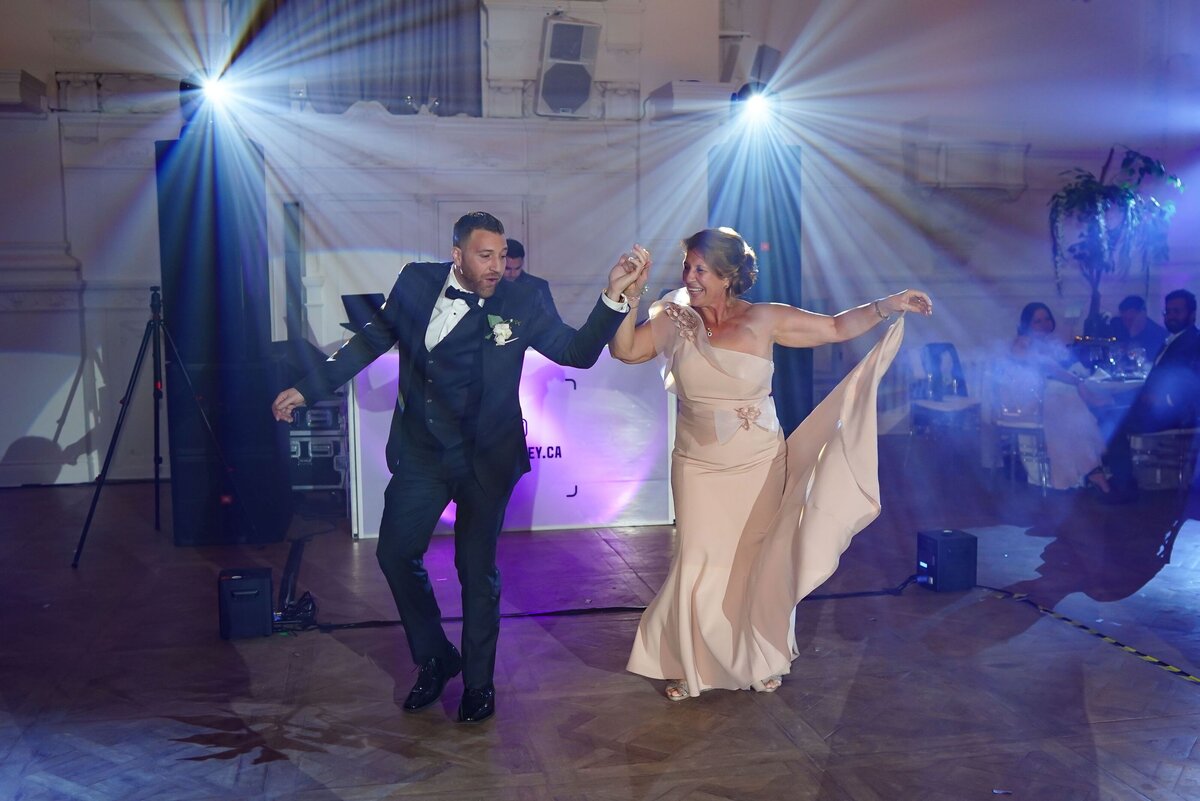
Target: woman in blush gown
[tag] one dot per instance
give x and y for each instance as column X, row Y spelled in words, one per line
column 761, row 520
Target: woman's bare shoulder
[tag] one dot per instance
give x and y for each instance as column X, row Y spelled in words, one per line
column 775, row 311
column 765, row 308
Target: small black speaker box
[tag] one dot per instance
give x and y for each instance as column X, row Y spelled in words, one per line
column 245, row 602
column 946, row 560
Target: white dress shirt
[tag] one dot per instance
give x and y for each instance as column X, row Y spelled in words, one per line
column 446, row 312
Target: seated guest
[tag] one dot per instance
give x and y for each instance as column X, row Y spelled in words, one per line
column 514, row 270
column 1133, row 329
column 1170, row 397
column 1073, row 440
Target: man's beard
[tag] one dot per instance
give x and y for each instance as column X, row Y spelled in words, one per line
column 1175, row 326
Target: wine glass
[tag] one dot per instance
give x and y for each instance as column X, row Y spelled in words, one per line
column 1138, row 355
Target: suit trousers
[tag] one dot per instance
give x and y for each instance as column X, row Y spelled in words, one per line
column 425, row 480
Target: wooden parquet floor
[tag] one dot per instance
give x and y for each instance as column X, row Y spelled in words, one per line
column 115, row 685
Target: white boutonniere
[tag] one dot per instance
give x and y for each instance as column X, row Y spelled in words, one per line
column 502, row 330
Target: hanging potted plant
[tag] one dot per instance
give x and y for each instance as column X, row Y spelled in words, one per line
column 1115, row 221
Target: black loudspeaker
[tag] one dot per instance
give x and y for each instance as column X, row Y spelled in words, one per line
column 564, row 86
column 946, row 559
column 244, row 603
column 230, row 484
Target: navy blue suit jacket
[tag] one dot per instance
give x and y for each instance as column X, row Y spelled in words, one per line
column 501, row 455
column 1171, row 395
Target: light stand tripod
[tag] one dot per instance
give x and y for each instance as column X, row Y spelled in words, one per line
column 156, row 332
column 153, row 334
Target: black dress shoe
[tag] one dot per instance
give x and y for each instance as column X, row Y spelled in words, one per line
column 477, row 705
column 431, row 680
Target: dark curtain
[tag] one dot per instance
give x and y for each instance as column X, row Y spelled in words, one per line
column 754, row 188
column 402, row 53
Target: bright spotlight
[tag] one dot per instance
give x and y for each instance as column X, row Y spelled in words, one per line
column 753, row 103
column 215, row 91
column 757, row 107
column 202, row 91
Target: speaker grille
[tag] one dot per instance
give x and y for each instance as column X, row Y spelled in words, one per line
column 566, row 87
column 566, row 42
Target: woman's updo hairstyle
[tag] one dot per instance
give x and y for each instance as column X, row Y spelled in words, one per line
column 727, row 255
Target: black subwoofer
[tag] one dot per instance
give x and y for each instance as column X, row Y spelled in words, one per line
column 946, row 559
column 244, row 603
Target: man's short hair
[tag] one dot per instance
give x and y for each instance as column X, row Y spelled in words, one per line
column 1132, row 303
column 475, row 221
column 1188, row 298
column 515, row 249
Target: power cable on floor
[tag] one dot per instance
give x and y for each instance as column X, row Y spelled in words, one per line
column 291, row 624
column 1129, row 649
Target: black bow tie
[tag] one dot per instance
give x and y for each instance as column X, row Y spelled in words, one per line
column 457, row 294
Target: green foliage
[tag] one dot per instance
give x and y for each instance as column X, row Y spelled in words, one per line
column 1115, row 222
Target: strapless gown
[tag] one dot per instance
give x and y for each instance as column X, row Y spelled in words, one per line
column 760, row 521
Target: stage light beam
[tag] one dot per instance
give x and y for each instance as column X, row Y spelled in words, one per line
column 753, row 105
column 215, row 91
column 758, row 108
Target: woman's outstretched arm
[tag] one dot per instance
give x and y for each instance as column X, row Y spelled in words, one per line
column 797, row 328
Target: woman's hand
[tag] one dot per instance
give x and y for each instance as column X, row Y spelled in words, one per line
column 912, row 300
column 629, row 275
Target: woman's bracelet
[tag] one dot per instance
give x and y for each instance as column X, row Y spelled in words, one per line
column 882, row 316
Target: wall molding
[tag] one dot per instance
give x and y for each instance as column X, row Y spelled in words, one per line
column 27, row 266
column 21, row 95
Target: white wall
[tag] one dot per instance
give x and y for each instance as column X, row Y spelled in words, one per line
column 867, row 81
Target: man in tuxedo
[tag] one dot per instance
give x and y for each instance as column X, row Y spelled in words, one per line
column 457, row 433
column 514, row 270
column 1170, row 397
